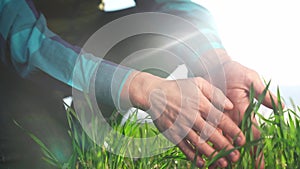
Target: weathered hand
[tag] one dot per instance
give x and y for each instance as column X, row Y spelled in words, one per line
column 187, row 112
column 238, row 83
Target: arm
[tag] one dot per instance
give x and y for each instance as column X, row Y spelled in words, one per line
column 208, row 46
column 31, row 44
column 34, row 48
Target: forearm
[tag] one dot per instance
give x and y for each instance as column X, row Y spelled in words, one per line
column 34, row 48
column 206, row 44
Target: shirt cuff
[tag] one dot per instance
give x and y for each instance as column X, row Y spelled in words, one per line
column 109, row 82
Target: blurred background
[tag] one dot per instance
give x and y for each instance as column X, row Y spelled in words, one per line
column 263, row 35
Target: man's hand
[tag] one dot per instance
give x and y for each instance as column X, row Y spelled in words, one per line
column 187, row 112
column 238, row 83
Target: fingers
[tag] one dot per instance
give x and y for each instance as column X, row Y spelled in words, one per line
column 209, row 133
column 201, row 108
column 260, row 161
column 259, row 87
column 232, row 130
column 189, row 151
column 205, row 149
column 215, row 95
column 216, row 118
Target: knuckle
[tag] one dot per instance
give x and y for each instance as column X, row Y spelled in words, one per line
column 199, row 82
column 224, row 121
column 251, row 75
column 207, row 132
column 217, row 118
column 219, row 94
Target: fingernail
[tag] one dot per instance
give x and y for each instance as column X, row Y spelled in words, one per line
column 222, row 163
column 232, row 154
column 200, row 164
column 239, row 140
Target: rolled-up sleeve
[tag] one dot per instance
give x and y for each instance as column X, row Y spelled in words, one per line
column 33, row 47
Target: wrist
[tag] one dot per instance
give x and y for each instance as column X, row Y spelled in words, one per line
column 214, row 59
column 210, row 61
column 136, row 90
column 221, row 55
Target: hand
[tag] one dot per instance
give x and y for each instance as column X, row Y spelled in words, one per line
column 187, row 112
column 238, row 82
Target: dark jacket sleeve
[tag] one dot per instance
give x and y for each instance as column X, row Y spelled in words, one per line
column 33, row 47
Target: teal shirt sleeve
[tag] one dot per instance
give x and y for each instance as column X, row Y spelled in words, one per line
column 199, row 16
column 33, row 47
